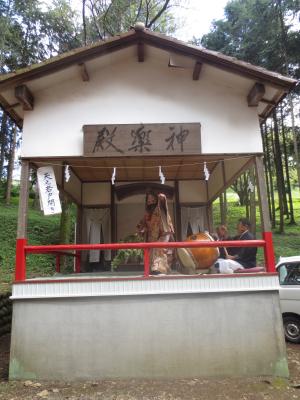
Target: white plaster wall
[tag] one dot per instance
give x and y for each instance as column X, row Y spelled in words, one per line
column 215, row 181
column 74, row 187
column 192, row 191
column 148, row 92
column 57, row 171
column 96, row 193
column 233, row 166
column 130, row 213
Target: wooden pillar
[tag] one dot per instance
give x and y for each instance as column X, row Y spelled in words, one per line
column 209, row 213
column 223, row 197
column 262, row 195
column 78, row 238
column 264, row 215
column 177, row 213
column 20, row 268
column 252, row 201
column 23, row 201
column 113, row 233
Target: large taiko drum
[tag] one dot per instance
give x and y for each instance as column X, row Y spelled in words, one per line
column 187, row 263
column 205, row 257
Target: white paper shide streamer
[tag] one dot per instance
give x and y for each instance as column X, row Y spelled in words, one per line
column 250, row 186
column 206, row 172
column 49, row 195
column 161, row 176
column 113, row 177
column 67, row 173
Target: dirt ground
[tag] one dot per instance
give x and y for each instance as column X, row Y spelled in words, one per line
column 187, row 389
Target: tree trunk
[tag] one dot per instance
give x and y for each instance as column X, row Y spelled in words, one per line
column 272, row 148
column 65, row 220
column 284, row 45
column 3, row 136
column 279, row 174
column 11, row 163
column 287, row 173
column 223, row 208
column 84, row 22
column 263, row 131
column 295, row 140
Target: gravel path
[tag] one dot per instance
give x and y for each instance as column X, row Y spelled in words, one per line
column 185, row 389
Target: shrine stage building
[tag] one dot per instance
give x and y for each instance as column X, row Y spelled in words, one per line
column 121, row 116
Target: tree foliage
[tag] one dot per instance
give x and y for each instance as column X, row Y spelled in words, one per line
column 266, row 33
column 106, row 18
column 263, row 32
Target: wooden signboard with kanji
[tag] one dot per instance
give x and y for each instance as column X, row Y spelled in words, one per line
column 142, row 140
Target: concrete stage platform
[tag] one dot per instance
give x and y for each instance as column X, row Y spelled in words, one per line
column 95, row 327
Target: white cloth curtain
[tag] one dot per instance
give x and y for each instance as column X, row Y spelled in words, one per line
column 195, row 216
column 98, row 230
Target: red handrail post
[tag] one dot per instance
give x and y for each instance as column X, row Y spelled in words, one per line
column 146, row 263
column 57, row 263
column 269, row 252
column 77, row 261
column 20, row 260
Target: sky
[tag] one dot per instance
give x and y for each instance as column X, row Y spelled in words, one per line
column 193, row 16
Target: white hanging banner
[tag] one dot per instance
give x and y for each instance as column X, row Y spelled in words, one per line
column 49, row 195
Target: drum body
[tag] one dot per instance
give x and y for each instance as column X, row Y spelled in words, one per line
column 205, row 257
column 188, row 264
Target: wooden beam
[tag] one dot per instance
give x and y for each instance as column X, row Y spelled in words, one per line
column 83, row 72
column 141, row 51
column 197, row 70
column 11, row 112
column 25, row 97
column 256, row 94
column 271, row 102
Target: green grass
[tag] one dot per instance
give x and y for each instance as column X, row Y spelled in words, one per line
column 41, row 230
column 45, row 230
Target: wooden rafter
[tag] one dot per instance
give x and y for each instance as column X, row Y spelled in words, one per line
column 12, row 106
column 197, row 70
column 256, row 94
column 271, row 102
column 25, row 97
column 83, row 72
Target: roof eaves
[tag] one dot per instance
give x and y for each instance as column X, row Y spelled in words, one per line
column 217, row 59
column 10, row 111
column 67, row 59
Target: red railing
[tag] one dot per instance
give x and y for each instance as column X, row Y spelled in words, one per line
column 22, row 249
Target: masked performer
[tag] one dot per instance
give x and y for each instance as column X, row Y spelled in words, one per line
column 156, row 226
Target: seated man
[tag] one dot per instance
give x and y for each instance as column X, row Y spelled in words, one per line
column 222, row 234
column 244, row 257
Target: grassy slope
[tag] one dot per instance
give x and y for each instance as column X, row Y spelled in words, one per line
column 41, row 230
column 44, row 230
